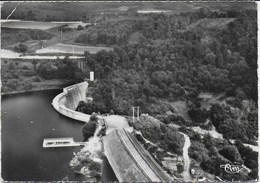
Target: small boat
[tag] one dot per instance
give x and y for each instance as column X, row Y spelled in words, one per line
column 53, row 129
column 31, row 122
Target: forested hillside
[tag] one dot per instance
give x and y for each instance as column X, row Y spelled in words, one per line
column 191, row 67
column 176, row 57
column 171, row 63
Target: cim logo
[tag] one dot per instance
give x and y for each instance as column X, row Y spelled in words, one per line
column 232, row 168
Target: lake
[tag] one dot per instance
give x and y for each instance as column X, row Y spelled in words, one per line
column 21, row 24
column 13, row 55
column 23, row 157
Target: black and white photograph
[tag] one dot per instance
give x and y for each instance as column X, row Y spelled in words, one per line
column 129, row 91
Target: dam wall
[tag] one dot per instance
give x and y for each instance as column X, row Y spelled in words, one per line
column 66, row 102
column 123, row 164
column 130, row 161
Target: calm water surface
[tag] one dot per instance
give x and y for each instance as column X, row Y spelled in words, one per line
column 23, row 157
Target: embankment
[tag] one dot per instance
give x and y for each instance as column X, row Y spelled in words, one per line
column 67, row 101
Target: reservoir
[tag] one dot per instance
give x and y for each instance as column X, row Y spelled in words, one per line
column 27, row 119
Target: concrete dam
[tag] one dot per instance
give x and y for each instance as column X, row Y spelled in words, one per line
column 67, row 101
column 127, row 157
column 130, row 161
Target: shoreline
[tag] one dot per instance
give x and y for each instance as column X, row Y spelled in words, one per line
column 29, row 91
column 54, row 84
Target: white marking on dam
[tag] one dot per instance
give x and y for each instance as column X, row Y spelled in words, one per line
column 60, row 142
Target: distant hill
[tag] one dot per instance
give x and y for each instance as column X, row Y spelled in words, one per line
column 67, row 11
column 226, row 6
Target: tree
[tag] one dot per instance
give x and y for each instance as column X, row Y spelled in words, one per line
column 11, row 66
column 41, row 43
column 46, row 70
column 89, row 129
column 210, row 58
column 111, row 112
column 93, row 117
column 208, row 141
column 20, row 48
column 231, row 153
column 34, row 62
column 163, row 127
column 80, row 27
column 146, row 89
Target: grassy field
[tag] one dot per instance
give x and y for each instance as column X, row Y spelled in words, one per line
column 212, row 23
column 69, row 48
column 181, row 108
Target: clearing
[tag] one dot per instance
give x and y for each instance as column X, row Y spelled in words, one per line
column 211, row 23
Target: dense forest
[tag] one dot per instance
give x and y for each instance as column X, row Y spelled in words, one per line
column 158, row 59
column 178, row 65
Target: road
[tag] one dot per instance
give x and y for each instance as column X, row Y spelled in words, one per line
column 186, row 172
column 115, row 121
column 131, row 151
column 129, row 160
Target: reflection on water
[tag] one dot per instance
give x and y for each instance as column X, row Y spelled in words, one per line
column 23, row 157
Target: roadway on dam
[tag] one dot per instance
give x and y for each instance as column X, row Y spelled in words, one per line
column 116, row 122
column 127, row 157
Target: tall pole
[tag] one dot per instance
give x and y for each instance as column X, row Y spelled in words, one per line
column 133, row 114
column 138, row 113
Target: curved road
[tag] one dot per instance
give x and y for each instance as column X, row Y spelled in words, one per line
column 186, row 172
